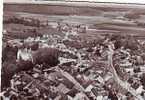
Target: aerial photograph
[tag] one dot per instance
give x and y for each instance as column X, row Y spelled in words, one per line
column 73, row 50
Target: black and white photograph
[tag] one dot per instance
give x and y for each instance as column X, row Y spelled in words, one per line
column 73, row 50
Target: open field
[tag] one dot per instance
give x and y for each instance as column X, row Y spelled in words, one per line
column 73, row 51
column 99, row 18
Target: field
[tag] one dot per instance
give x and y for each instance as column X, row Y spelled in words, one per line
column 73, row 51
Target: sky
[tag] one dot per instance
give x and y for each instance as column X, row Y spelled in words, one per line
column 119, row 1
column 124, row 1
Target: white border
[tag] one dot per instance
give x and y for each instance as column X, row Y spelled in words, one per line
column 107, row 1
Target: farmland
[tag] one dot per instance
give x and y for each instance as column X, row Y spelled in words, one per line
column 73, row 51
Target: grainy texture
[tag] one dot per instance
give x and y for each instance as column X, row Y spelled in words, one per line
column 73, row 51
column 119, row 18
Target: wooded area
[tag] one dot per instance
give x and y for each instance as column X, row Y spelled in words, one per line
column 73, row 51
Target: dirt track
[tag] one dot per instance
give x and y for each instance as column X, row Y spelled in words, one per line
column 87, row 58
